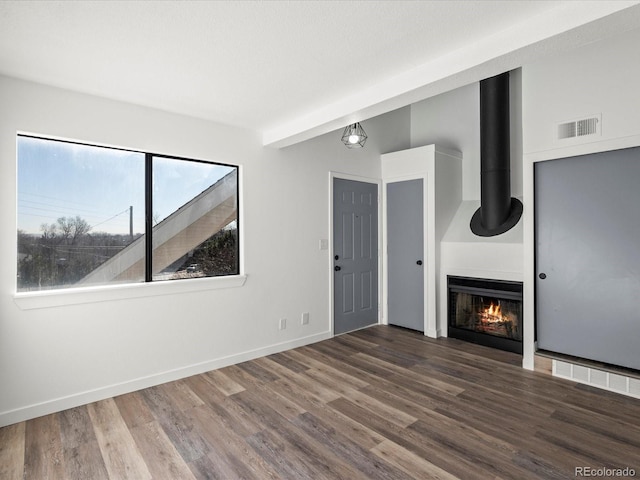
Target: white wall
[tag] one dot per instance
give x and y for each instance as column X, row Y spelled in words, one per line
column 57, row 357
column 599, row 78
column 452, row 120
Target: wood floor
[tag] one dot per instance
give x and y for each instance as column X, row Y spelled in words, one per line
column 380, row 403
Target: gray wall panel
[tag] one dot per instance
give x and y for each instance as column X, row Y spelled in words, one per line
column 588, row 246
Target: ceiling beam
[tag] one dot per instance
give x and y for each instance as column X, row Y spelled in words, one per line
column 569, row 26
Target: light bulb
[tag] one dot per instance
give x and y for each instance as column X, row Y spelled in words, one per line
column 354, row 139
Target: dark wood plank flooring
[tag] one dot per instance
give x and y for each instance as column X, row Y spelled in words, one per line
column 380, row 403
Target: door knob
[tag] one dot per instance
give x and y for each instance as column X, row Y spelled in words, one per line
column 419, row 262
column 337, row 268
column 542, row 276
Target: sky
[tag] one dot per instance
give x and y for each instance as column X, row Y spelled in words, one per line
column 61, row 179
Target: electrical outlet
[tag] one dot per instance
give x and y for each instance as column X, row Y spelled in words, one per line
column 283, row 324
column 305, row 318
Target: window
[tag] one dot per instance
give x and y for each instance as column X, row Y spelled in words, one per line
column 92, row 215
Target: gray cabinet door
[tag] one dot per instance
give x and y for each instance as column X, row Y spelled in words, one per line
column 587, row 225
column 355, row 248
column 405, row 249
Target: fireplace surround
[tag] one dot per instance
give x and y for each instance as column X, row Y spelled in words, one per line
column 485, row 311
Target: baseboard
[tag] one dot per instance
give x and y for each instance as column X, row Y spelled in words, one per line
column 63, row 403
column 433, row 333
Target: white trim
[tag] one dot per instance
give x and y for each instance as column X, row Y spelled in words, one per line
column 357, row 178
column 592, row 146
column 108, row 293
column 82, row 398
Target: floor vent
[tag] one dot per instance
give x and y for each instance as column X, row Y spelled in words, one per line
column 597, row 378
column 579, row 128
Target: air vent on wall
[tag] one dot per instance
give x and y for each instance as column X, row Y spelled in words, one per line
column 579, row 128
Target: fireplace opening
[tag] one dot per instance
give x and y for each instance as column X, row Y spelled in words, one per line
column 486, row 311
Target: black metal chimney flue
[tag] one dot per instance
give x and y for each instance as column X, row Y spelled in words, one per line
column 498, row 212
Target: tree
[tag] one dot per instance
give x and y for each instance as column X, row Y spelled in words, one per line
column 217, row 255
column 73, row 228
column 56, row 258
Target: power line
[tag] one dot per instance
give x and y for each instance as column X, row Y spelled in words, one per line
column 57, row 198
column 22, row 213
column 24, row 209
column 111, row 218
column 25, row 202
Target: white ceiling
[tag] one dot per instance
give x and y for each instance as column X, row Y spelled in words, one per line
column 289, row 69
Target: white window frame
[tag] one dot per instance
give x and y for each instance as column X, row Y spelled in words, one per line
column 58, row 297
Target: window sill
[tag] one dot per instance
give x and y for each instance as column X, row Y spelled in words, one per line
column 107, row 293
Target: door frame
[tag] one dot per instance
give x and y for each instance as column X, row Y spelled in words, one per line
column 330, row 262
column 428, row 256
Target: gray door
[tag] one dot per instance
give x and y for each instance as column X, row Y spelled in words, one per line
column 587, row 221
column 355, row 249
column 405, row 248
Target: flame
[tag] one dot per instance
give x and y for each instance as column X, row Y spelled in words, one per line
column 493, row 314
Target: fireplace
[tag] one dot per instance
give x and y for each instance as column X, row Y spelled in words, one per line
column 485, row 311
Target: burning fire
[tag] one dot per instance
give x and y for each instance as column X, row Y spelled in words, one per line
column 493, row 314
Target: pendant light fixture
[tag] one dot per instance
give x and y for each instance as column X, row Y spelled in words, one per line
column 354, row 136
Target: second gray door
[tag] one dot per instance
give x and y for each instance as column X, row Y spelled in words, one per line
column 405, row 250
